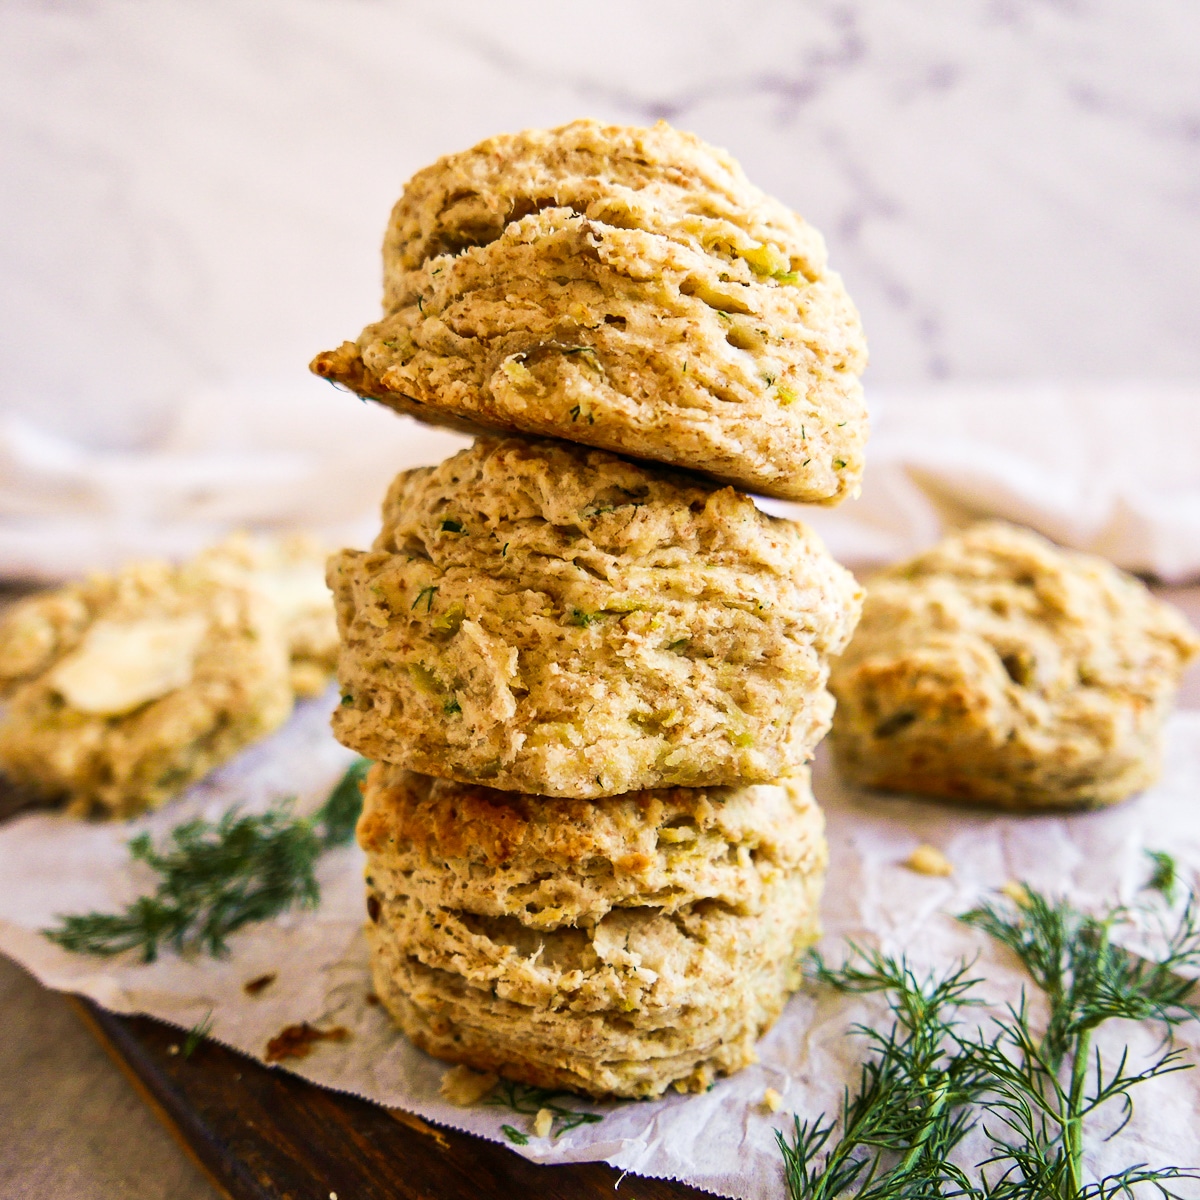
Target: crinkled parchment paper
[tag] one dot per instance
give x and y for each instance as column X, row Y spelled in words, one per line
column 723, row 1140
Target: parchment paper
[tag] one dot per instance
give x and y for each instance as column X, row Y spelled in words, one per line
column 722, row 1140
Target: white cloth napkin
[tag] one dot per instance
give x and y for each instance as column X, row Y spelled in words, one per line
column 268, row 457
column 1114, row 470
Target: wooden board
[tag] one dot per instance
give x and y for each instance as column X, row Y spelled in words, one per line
column 265, row 1134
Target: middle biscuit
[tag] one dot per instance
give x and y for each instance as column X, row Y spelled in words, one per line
column 553, row 619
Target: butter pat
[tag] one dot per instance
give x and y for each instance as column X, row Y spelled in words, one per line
column 295, row 589
column 124, row 664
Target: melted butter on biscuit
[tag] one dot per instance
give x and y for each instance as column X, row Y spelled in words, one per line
column 123, row 664
column 295, row 589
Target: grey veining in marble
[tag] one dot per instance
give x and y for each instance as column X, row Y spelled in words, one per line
column 195, row 192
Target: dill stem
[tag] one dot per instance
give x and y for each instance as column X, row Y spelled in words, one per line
column 1073, row 1123
column 931, row 1115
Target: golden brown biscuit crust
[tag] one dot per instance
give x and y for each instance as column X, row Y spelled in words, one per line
column 549, row 861
column 614, row 947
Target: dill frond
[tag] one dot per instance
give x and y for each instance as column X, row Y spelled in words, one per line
column 1046, row 1087
column 529, row 1100
column 927, row 1083
column 910, row 1107
column 216, row 877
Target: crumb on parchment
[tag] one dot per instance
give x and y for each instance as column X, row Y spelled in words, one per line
column 772, row 1100
column 929, row 860
column 258, row 985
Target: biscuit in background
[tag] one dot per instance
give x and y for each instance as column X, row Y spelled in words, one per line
column 125, row 688
column 997, row 668
column 624, row 288
column 290, row 571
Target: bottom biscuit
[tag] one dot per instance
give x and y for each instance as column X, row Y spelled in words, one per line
column 669, row 987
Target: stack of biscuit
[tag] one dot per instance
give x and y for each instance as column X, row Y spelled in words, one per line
column 591, row 683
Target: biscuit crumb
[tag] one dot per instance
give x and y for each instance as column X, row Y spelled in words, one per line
column 1017, row 892
column 464, row 1087
column 543, row 1123
column 772, row 1100
column 929, row 860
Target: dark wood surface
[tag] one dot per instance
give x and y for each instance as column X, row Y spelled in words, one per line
column 264, row 1134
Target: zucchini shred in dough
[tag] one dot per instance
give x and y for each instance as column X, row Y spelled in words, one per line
column 613, row 947
column 552, row 619
column 997, row 668
column 623, row 288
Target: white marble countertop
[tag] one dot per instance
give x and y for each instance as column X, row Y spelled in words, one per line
column 195, row 192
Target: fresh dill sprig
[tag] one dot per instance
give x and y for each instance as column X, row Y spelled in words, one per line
column 217, row 877
column 197, row 1034
column 1165, row 874
column 927, row 1083
column 1045, row 1088
column 910, row 1108
column 529, row 1100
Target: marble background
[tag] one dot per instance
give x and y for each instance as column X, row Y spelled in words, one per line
column 194, row 192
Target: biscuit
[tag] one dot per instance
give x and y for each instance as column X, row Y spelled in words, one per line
column 613, row 947
column 998, row 668
column 552, row 619
column 128, row 687
column 290, row 571
column 624, row 288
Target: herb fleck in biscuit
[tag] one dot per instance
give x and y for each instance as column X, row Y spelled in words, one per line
column 624, row 288
column 615, row 947
column 125, row 688
column 998, row 668
column 552, row 619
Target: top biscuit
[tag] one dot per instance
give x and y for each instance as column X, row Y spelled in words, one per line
column 625, row 288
